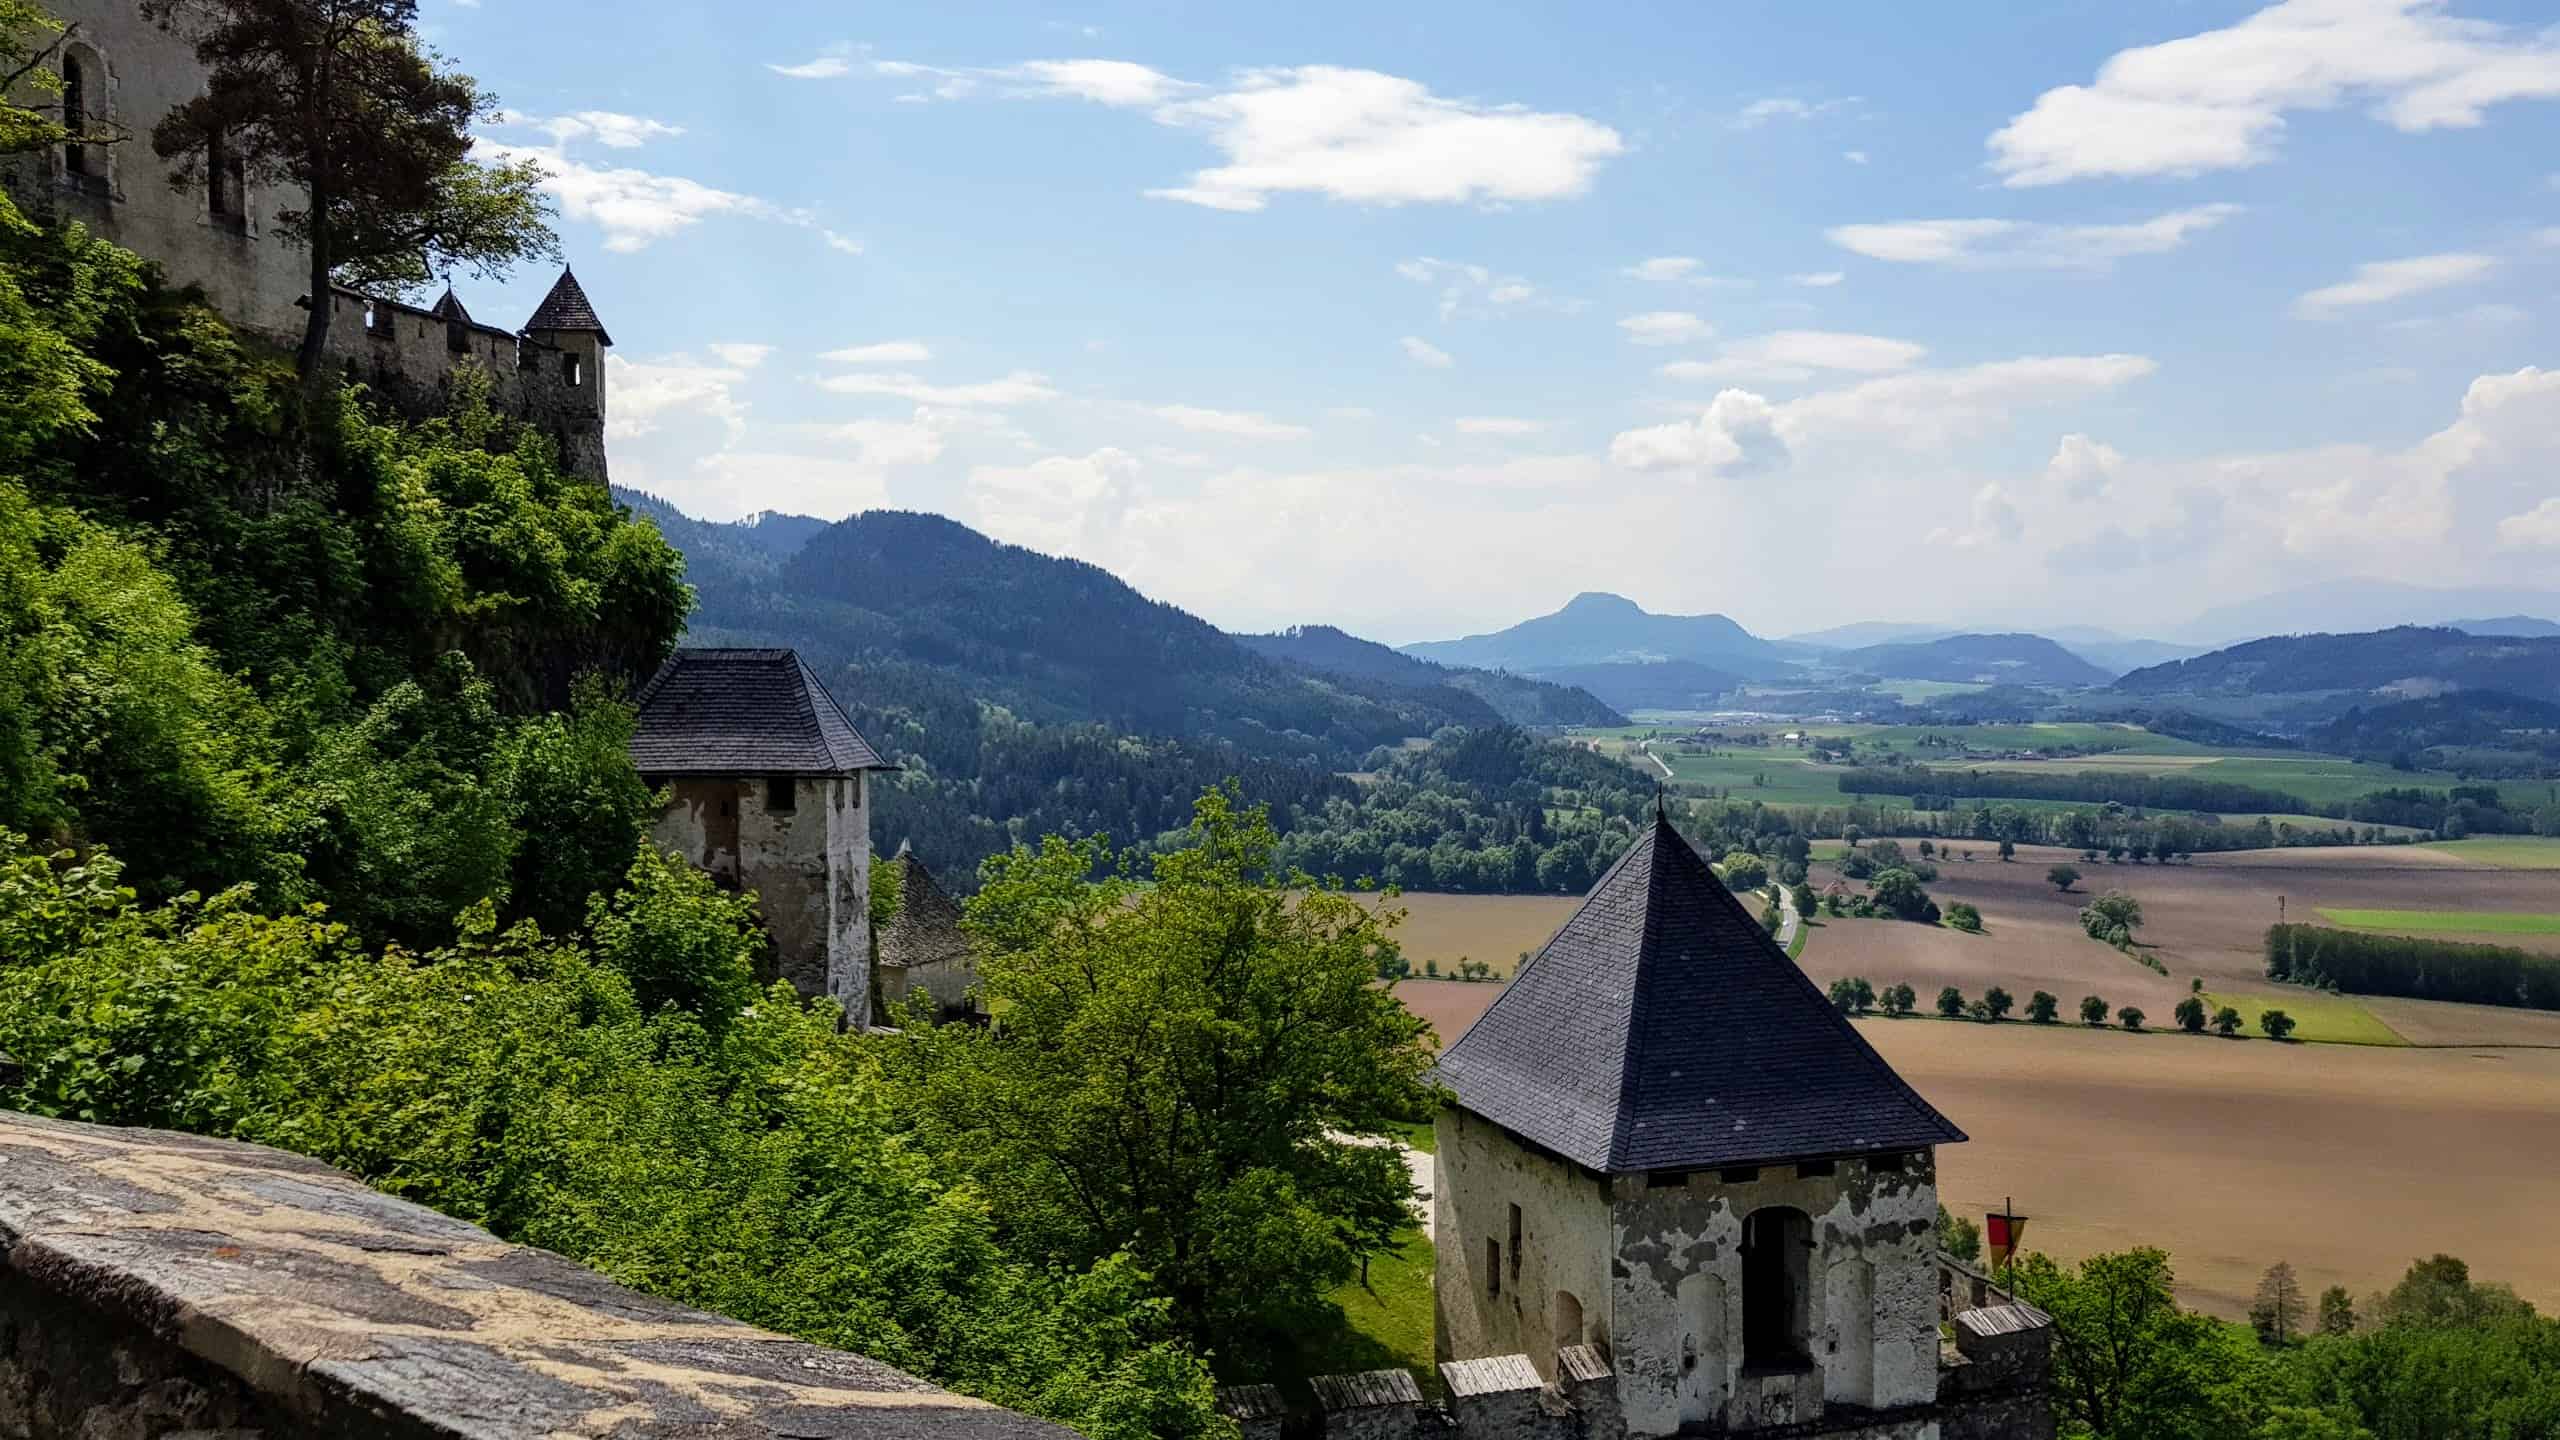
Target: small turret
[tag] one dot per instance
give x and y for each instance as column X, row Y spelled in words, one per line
column 562, row 361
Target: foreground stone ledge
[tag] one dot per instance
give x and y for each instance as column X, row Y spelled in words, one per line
column 152, row 1283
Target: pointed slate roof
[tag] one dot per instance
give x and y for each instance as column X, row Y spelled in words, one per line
column 1662, row 1029
column 744, row 712
column 926, row 928
column 567, row 308
column 448, row 307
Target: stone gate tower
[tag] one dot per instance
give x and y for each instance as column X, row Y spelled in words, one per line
column 1667, row 1145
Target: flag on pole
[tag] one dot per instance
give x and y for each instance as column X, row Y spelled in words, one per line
column 2001, row 1231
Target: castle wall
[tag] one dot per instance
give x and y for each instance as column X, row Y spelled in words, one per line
column 247, row 268
column 1564, row 1246
column 1870, row 1301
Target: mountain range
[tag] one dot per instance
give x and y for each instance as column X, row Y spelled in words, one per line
column 1597, row 628
column 2013, row 659
column 2404, row 662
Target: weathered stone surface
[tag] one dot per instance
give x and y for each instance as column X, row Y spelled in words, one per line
column 153, row 1284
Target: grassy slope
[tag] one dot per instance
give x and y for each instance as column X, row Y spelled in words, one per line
column 1390, row 1320
column 2319, row 1018
column 2487, row 922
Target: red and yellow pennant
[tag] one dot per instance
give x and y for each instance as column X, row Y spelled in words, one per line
column 2000, row 1232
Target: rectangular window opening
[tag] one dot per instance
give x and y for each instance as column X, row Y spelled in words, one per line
column 1515, row 1243
column 1816, row 1169
column 1665, row 1179
column 1739, row 1174
column 1492, row 1266
column 781, row 794
column 1885, row 1164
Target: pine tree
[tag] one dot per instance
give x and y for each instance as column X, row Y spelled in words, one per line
column 2337, row 1311
column 2278, row 1310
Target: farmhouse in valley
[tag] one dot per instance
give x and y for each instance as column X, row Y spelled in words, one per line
column 120, row 74
column 766, row 778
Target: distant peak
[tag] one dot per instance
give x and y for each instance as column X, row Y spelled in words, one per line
column 1597, row 600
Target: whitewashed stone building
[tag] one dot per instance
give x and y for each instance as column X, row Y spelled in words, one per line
column 1680, row 1184
column 120, row 73
column 766, row 778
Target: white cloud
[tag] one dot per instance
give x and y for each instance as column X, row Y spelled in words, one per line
column 2382, row 280
column 633, row 207
column 1425, row 354
column 741, row 354
column 885, row 352
column 1105, row 82
column 1021, row 387
column 1379, row 139
column 1677, row 270
column 1922, row 410
column 1990, row 520
column 1665, row 327
column 1468, row 289
column 1496, row 425
column 1854, row 157
column 1054, row 504
column 1242, row 424
column 2217, row 100
column 2534, row 529
column 825, row 67
column 646, row 393
column 2022, row 244
column 1797, row 355
column 1818, row 279
column 1761, row 112
column 605, row 127
column 2082, row 468
column 837, row 240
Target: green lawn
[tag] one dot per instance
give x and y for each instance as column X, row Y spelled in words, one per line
column 1416, row 1133
column 2319, row 1018
column 2487, row 922
column 2512, row 852
column 1389, row 1319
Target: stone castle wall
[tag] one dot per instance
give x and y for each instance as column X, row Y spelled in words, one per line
column 809, row 867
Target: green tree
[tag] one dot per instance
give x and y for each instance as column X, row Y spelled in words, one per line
column 1963, row 916
column 1898, row 892
column 2439, row 1292
column 2112, row 917
column 2190, row 1014
column 1844, row 995
column 2337, row 1311
column 2093, row 1010
column 1866, row 993
column 2277, row 1024
column 338, row 99
column 1950, row 1002
column 2277, row 1311
column 579, row 807
column 2130, row 1017
column 1772, row 919
column 1744, row 872
column 1180, row 1071
column 678, row 938
column 2128, row 1364
column 2008, row 849
column 1900, row 1000
column 1998, row 1001
column 1959, row 1236
column 1806, row 902
column 2063, row 877
column 2226, row 1022
column 2042, row 1007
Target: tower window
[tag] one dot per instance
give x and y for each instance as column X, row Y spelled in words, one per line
column 226, row 182
column 1492, row 1267
column 1777, row 1251
column 75, row 112
column 1515, row 1243
column 781, row 794
column 571, row 371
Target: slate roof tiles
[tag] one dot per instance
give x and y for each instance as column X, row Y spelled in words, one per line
column 744, row 712
column 1662, row 1029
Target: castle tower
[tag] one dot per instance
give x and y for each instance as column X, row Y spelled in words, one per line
column 562, row 363
column 1666, row 1144
column 766, row 781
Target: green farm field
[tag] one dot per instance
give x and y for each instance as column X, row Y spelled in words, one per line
column 2319, row 1019
column 2485, row 922
column 2507, row 852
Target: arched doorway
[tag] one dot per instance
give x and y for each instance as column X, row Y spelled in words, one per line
column 1568, row 1317
column 1777, row 1246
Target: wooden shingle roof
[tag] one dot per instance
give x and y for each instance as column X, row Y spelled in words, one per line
column 744, row 712
column 1662, row 1029
column 567, row 308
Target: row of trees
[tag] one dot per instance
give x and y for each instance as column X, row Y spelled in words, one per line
column 1856, row 995
column 2371, row 964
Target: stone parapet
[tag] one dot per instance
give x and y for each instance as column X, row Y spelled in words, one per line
column 155, row 1283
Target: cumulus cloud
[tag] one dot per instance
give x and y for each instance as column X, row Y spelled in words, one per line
column 1676, row 270
column 2218, row 100
column 1021, row 387
column 1797, row 355
column 1736, row 434
column 884, row 352
column 1425, row 354
column 2382, row 280
column 1054, row 504
column 2534, row 529
column 634, row 207
column 605, row 127
column 1784, row 107
column 1242, row 424
column 1380, row 139
column 1818, row 279
column 741, row 354
column 2021, row 244
column 1665, row 327
column 647, row 393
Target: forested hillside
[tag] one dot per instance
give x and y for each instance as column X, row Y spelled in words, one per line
column 2421, row 657
column 1518, row 699
column 1994, row 659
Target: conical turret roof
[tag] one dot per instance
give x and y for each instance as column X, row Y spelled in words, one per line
column 567, row 308
column 1663, row 1029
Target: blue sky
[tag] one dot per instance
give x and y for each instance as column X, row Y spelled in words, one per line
column 1420, row 324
